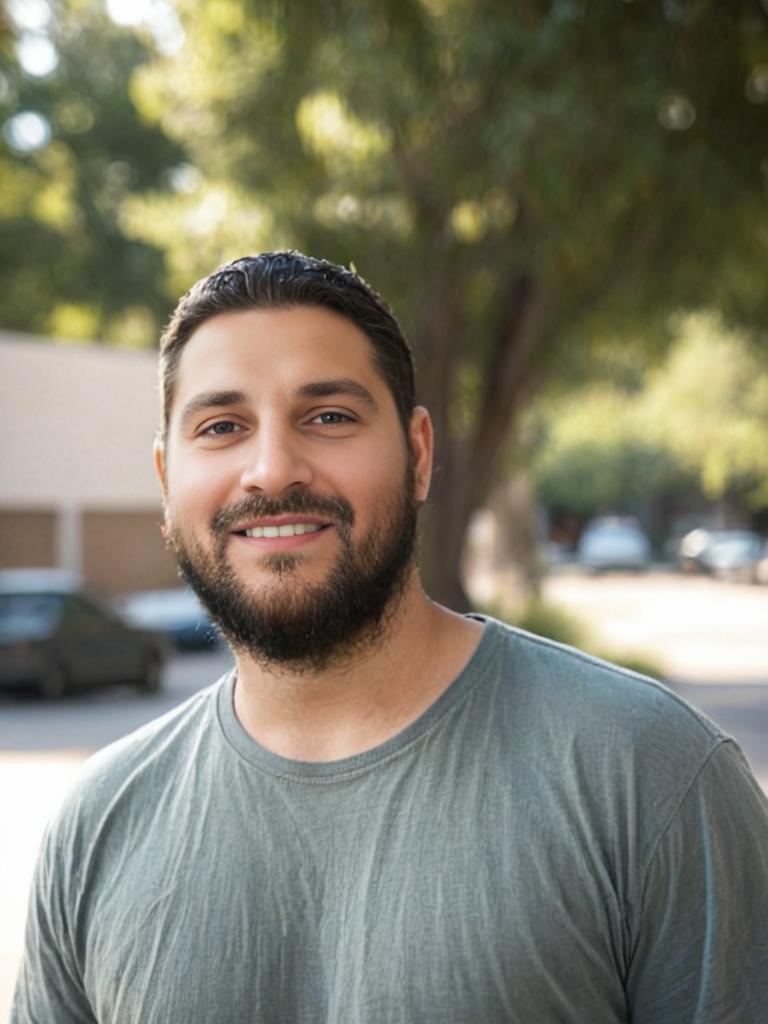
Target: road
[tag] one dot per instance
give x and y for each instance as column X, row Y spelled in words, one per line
column 710, row 639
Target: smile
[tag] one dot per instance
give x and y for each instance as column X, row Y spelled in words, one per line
column 283, row 533
column 284, row 530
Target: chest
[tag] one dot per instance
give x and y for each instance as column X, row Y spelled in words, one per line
column 396, row 909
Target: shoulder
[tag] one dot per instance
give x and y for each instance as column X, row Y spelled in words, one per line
column 139, row 766
column 617, row 751
column 591, row 693
column 704, row 882
column 605, row 733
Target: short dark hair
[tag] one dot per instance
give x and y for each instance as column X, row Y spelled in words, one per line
column 282, row 280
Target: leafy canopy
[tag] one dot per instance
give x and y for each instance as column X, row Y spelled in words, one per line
column 522, row 181
column 700, row 417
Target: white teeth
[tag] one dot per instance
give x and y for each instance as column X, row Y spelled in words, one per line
column 287, row 530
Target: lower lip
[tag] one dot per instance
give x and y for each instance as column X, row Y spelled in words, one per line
column 277, row 544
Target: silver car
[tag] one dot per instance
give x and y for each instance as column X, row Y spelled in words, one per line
column 613, row 542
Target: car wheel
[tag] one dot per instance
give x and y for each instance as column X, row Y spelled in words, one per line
column 152, row 676
column 54, row 683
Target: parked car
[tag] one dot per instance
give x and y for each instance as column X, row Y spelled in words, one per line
column 613, row 542
column 56, row 636
column 175, row 613
column 730, row 554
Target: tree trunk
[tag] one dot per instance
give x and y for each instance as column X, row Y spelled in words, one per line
column 465, row 467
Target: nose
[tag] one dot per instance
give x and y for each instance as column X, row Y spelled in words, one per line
column 276, row 462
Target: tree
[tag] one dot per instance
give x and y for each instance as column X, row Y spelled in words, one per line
column 519, row 179
column 73, row 147
column 526, row 182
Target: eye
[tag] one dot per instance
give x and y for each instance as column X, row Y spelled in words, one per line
column 220, row 428
column 331, row 418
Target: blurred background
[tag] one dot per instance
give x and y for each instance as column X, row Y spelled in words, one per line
column 564, row 201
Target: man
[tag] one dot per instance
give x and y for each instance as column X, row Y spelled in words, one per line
column 387, row 812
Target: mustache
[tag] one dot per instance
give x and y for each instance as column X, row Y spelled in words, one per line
column 301, row 503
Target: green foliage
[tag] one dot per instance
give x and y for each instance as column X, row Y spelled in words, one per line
column 709, row 407
column 700, row 417
column 432, row 145
column 590, row 476
column 67, row 265
column 595, row 455
column 521, row 180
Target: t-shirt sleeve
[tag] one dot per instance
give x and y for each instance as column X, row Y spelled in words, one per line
column 49, row 986
column 701, row 928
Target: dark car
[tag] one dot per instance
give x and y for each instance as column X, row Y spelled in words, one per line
column 56, row 636
column 174, row 613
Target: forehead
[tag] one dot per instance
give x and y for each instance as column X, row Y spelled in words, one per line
column 259, row 349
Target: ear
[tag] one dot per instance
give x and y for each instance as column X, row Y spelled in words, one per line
column 158, row 452
column 422, row 438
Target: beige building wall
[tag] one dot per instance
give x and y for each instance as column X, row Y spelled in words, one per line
column 78, row 423
column 77, row 484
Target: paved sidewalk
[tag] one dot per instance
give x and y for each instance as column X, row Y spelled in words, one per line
column 700, row 630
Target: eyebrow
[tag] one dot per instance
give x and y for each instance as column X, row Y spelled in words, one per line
column 340, row 386
column 317, row 389
column 210, row 400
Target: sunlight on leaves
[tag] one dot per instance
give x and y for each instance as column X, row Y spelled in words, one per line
column 468, row 221
column 71, row 321
column 217, row 221
column 329, row 130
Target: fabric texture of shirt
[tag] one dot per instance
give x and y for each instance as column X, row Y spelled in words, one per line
column 553, row 840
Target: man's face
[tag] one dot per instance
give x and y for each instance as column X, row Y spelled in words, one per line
column 290, row 488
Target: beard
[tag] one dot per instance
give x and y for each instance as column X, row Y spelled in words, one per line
column 286, row 621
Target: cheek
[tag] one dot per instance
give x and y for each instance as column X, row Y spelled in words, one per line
column 193, row 487
column 378, row 481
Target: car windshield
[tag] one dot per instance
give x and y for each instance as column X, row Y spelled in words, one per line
column 24, row 614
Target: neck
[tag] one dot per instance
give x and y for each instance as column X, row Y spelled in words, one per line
column 363, row 698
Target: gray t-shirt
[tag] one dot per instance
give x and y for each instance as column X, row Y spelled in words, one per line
column 554, row 840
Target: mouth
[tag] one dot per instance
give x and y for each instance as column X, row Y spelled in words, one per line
column 285, row 531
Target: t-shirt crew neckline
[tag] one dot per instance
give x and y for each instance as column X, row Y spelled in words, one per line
column 336, row 771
